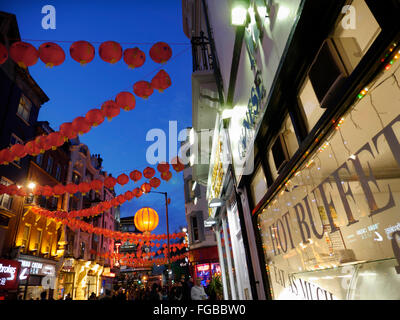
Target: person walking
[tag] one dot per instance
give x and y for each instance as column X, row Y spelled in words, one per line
column 197, row 292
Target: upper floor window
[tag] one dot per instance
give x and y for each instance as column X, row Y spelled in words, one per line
column 5, row 199
column 76, row 178
column 24, row 108
column 49, row 166
column 58, row 172
column 39, row 159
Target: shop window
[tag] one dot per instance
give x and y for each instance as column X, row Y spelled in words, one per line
column 258, row 185
column 5, row 199
column 355, row 33
column 24, row 108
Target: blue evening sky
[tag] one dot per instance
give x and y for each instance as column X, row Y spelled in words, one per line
column 74, row 89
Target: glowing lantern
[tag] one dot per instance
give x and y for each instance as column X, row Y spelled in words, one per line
column 81, row 125
column 84, row 187
column 67, row 131
column 122, row 179
column 137, row 192
column 110, row 109
column 110, row 182
column 155, row 182
column 134, row 57
column 82, row 52
column 146, row 187
column 55, row 139
column 59, row 189
column 47, row 191
column 160, row 52
column 146, row 220
column 6, row 156
column 110, row 51
column 166, row 175
column 18, row 151
column 96, row 184
column 95, row 117
column 125, row 100
column 3, row 53
column 149, row 172
column 163, row 167
column 24, row 54
column 161, row 81
column 143, row 89
column 51, row 54
column 135, row 175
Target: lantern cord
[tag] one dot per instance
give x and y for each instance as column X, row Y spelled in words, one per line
column 99, row 42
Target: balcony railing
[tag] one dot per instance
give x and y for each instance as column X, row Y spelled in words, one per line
column 201, row 53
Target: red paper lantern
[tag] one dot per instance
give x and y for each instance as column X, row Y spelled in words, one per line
column 146, row 187
column 121, row 199
column 81, row 125
column 82, row 52
column 110, row 182
column 42, row 143
column 155, row 182
column 55, row 139
column 47, row 191
column 110, row 51
column 3, row 53
column 161, row 81
column 67, row 131
column 31, row 148
column 134, row 57
column 24, row 54
column 96, row 184
column 143, row 89
column 122, row 179
column 163, row 167
column 51, row 54
column 160, row 52
column 137, row 192
column 166, row 175
column 115, row 202
column 6, row 156
column 129, row 195
column 125, row 100
column 95, row 117
column 149, row 172
column 135, row 175
column 84, row 187
column 177, row 164
column 18, row 151
column 59, row 189
column 110, row 109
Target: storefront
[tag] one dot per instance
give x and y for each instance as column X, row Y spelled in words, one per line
column 9, row 270
column 66, row 280
column 327, row 210
column 36, row 275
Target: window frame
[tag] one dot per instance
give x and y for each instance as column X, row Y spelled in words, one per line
column 26, row 105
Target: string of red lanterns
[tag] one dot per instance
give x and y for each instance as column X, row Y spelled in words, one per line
column 109, row 182
column 81, row 125
column 51, row 54
column 75, row 224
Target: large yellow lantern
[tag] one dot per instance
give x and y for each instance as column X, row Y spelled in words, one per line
column 146, row 220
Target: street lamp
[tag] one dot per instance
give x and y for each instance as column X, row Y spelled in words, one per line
column 166, row 214
column 239, row 13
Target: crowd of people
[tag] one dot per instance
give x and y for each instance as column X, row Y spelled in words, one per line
column 182, row 290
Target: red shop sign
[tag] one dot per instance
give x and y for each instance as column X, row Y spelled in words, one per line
column 9, row 270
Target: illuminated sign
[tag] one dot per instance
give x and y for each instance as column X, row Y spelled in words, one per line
column 203, row 267
column 35, row 268
column 8, row 274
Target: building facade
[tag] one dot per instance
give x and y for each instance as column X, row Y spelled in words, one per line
column 309, row 123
